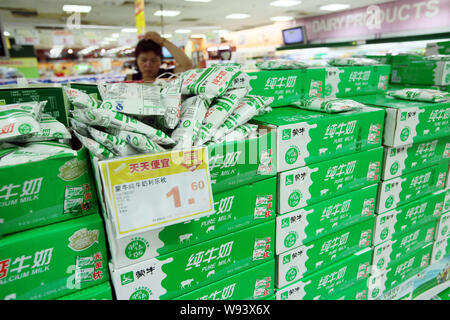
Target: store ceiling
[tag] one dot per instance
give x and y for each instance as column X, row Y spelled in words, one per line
column 199, row 17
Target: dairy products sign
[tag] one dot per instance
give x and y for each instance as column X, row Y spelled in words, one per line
column 391, row 17
column 151, row 191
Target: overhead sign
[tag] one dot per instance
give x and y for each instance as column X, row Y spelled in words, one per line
column 63, row 38
column 140, row 17
column 26, row 37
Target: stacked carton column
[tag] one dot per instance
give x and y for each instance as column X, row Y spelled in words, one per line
column 228, row 255
column 412, row 192
column 328, row 169
column 52, row 236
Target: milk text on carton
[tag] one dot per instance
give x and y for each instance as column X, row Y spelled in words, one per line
column 196, row 259
column 41, row 263
column 29, row 192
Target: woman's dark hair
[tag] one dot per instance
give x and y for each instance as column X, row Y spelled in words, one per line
column 146, row 46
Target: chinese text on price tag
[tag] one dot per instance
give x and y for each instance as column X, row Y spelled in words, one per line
column 155, row 190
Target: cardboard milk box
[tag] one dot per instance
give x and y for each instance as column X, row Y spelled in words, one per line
column 89, row 88
column 288, row 86
column 357, row 291
column 311, row 184
column 57, row 102
column 405, row 159
column 386, row 253
column 443, row 226
column 330, row 281
column 98, row 292
column 394, row 222
column 310, row 223
column 305, row 137
column 441, row 249
column 235, row 209
column 409, row 122
column 304, row 260
column 38, row 193
column 409, row 187
column 53, row 261
column 399, row 271
column 349, row 81
column 256, row 283
column 179, row 272
column 423, row 72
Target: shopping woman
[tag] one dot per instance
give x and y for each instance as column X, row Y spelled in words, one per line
column 148, row 54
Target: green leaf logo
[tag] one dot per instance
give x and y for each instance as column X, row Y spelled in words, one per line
column 126, row 278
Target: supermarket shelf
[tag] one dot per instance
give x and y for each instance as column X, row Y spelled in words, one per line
column 434, row 36
column 433, row 291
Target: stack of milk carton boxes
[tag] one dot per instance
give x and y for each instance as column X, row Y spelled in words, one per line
column 411, row 196
column 51, row 233
column 328, row 168
column 228, row 255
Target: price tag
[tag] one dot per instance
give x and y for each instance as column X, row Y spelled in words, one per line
column 151, row 191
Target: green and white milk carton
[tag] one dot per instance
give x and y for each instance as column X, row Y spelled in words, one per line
column 237, row 163
column 305, row 137
column 441, row 249
column 330, row 281
column 405, row 159
column 235, row 209
column 389, row 251
column 422, row 72
column 177, row 273
column 410, row 122
column 443, row 227
column 434, row 48
column 395, row 222
column 399, row 271
column 38, row 193
column 256, row 283
column 409, row 187
column 349, row 81
column 53, row 261
column 311, row 184
column 304, row 260
column 57, row 102
column 310, row 223
column 288, row 86
column 99, row 292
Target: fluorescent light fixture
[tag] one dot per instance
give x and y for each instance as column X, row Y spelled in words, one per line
column 285, row 3
column 281, row 18
column 182, row 31
column 166, row 35
column 167, row 13
column 115, row 35
column 335, row 7
column 197, row 0
column 198, row 36
column 6, row 34
column 237, row 16
column 129, row 30
column 76, row 8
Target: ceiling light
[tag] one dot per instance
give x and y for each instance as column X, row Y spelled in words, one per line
column 281, row 18
column 129, row 30
column 115, row 35
column 182, row 31
column 285, row 3
column 70, row 51
column 335, row 7
column 167, row 13
column 6, row 34
column 75, row 8
column 237, row 16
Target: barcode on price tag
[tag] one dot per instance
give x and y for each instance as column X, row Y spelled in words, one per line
column 151, row 191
